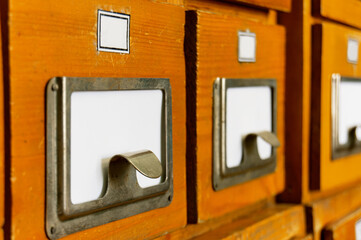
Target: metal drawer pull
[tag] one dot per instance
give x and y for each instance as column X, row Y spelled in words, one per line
column 122, row 171
column 250, row 154
column 354, row 136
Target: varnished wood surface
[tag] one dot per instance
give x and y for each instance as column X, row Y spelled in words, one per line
column 2, row 136
column 322, row 212
column 298, row 25
column 263, row 221
column 330, row 56
column 344, row 228
column 277, row 223
column 227, row 8
column 307, row 237
column 58, row 38
column 281, row 5
column 215, row 55
column 347, row 12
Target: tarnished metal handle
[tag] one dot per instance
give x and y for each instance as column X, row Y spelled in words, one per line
column 250, row 154
column 145, row 161
column 122, row 179
column 354, row 135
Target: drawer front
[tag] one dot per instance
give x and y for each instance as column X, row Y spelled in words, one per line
column 347, row 227
column 334, row 162
column 347, row 12
column 2, row 136
column 211, row 53
column 60, row 39
column 281, row 5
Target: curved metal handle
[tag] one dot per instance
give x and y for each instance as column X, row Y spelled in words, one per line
column 145, row 161
column 122, row 179
column 354, row 135
column 250, row 154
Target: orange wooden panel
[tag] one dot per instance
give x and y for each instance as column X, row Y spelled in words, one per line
column 58, row 38
column 2, row 135
column 330, row 56
column 347, row 11
column 253, row 224
column 307, row 237
column 327, row 210
column 212, row 53
column 282, row 5
column 343, row 228
column 279, row 222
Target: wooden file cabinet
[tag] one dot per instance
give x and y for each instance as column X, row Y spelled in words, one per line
column 58, row 38
column 329, row 56
column 211, row 52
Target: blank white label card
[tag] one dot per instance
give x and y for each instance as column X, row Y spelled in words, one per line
column 246, row 47
column 352, row 50
column 249, row 110
column 358, row 230
column 113, row 32
column 107, row 123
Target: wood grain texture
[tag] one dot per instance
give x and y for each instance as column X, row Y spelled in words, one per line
column 248, row 222
column 227, row 8
column 58, row 38
column 332, row 58
column 2, row 136
column 307, row 237
column 343, row 228
column 322, row 212
column 281, row 5
column 347, row 11
column 216, row 56
column 277, row 223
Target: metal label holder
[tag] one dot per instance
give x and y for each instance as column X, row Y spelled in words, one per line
column 252, row 165
column 353, row 145
column 120, row 200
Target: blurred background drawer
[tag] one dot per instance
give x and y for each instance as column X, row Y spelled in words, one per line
column 211, row 53
column 347, row 12
column 329, row 170
column 347, row 227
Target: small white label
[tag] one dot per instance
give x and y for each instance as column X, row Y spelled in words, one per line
column 113, row 32
column 352, row 50
column 358, row 230
column 246, row 47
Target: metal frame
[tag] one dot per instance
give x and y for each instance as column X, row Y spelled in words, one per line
column 252, row 167
column 248, row 34
column 353, row 145
column 63, row 217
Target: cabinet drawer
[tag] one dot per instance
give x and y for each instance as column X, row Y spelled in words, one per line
column 212, row 59
column 348, row 12
column 336, row 76
column 347, row 227
column 60, row 39
column 281, row 5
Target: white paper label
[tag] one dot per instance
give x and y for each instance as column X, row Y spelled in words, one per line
column 246, row 47
column 349, row 114
column 106, row 123
column 113, row 32
column 249, row 109
column 352, row 50
column 358, row 230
